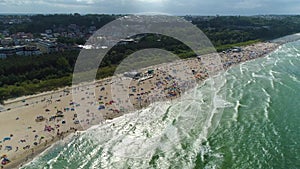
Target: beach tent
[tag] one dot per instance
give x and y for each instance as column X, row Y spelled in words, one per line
column 47, row 128
column 60, row 115
column 236, row 49
column 150, row 71
column 8, row 148
column 52, row 118
column 59, row 112
column 39, row 119
column 101, row 107
column 6, row 139
column 131, row 74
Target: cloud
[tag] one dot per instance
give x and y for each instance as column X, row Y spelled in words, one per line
column 15, row 2
column 176, row 7
column 248, row 4
column 151, row 1
column 87, row 1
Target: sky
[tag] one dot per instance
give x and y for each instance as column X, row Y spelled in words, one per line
column 172, row 7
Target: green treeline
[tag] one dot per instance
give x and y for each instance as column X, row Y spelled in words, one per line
column 224, row 30
column 59, row 22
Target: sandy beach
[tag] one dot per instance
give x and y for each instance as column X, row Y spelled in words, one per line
column 30, row 124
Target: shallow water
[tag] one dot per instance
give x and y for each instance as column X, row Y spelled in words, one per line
column 259, row 127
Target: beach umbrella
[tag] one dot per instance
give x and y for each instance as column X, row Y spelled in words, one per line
column 5, row 161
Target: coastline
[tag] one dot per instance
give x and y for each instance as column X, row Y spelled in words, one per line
column 39, row 150
column 231, row 58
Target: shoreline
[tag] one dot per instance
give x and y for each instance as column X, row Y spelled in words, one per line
column 279, row 41
column 41, row 147
column 20, row 162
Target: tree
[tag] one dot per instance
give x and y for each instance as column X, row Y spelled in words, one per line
column 63, row 63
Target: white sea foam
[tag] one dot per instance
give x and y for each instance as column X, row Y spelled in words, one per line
column 173, row 133
column 133, row 139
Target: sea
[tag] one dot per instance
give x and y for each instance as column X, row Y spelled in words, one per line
column 247, row 117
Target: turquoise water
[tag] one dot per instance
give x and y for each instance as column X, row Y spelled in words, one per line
column 253, row 121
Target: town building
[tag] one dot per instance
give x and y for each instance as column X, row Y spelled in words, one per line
column 19, row 50
column 47, row 47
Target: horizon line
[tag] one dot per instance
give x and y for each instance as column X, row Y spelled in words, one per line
column 66, row 13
